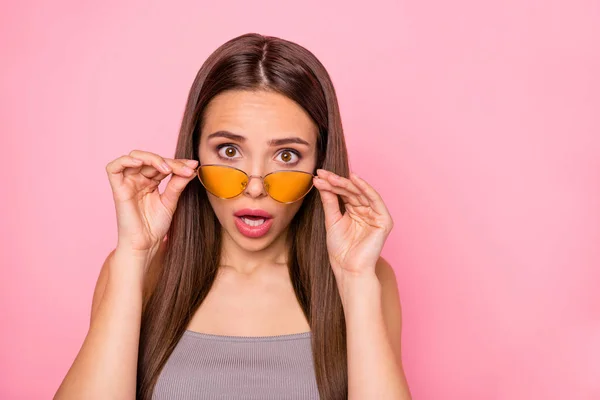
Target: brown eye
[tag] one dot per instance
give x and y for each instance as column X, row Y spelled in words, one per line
column 230, row 152
column 227, row 152
column 287, row 157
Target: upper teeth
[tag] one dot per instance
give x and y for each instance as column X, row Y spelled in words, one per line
column 252, row 222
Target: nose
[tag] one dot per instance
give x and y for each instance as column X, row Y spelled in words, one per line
column 255, row 187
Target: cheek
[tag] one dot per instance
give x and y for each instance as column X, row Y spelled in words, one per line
column 219, row 207
column 288, row 212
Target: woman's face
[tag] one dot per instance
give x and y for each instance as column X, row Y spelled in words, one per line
column 257, row 118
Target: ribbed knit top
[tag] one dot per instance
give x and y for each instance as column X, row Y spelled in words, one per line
column 205, row 366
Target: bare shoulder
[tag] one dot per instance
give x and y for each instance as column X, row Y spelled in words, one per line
column 149, row 283
column 391, row 306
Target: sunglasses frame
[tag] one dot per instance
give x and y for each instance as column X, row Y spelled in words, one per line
column 262, row 178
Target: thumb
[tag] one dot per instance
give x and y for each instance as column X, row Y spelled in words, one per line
column 331, row 207
column 173, row 190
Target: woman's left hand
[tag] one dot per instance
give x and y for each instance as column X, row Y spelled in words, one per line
column 354, row 239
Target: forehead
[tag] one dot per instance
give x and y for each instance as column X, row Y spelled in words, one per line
column 259, row 116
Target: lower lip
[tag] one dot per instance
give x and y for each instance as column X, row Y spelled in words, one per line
column 253, row 231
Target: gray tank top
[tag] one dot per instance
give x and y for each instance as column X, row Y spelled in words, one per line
column 205, row 366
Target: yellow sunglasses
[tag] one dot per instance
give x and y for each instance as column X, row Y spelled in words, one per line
column 227, row 182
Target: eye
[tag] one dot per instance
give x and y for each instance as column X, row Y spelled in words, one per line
column 228, row 153
column 287, row 156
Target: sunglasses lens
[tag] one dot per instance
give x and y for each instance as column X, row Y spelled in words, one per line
column 288, row 186
column 222, row 181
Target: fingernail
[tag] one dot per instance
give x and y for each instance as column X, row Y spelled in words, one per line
column 188, row 170
column 192, row 163
column 165, row 167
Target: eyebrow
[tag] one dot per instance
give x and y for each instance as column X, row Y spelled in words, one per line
column 272, row 142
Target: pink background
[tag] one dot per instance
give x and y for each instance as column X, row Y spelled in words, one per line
column 478, row 122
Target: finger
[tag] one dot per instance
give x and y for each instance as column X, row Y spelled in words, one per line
column 153, row 159
column 348, row 186
column 118, row 165
column 115, row 168
column 182, row 167
column 150, row 171
column 331, row 206
column 174, row 188
column 349, row 198
column 153, row 165
column 339, row 180
column 371, row 194
column 178, row 167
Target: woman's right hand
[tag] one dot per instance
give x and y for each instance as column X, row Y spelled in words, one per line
column 143, row 214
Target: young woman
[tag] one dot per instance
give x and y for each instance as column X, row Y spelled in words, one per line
column 256, row 273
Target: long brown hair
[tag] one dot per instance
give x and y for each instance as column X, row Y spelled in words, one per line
column 193, row 247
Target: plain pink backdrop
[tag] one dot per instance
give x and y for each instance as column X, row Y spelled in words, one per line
column 478, row 122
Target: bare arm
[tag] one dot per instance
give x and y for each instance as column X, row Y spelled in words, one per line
column 106, row 365
column 100, row 285
column 149, row 279
column 373, row 324
column 366, row 284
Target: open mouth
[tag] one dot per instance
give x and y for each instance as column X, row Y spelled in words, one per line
column 253, row 223
column 253, row 226
column 252, row 220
